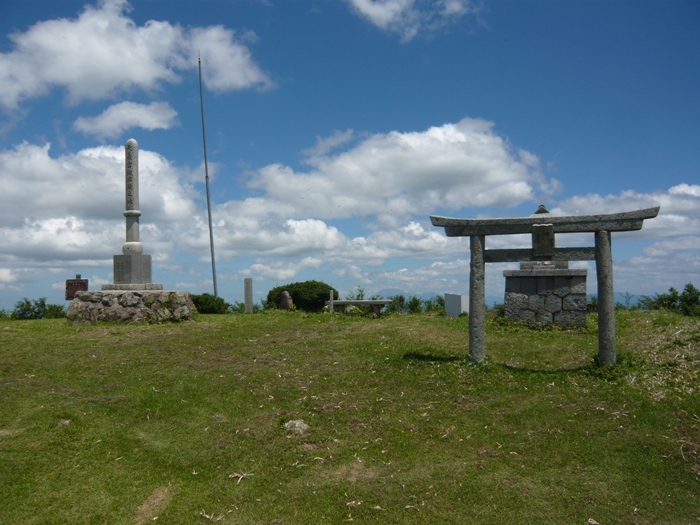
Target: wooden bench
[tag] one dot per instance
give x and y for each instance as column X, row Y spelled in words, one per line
column 377, row 304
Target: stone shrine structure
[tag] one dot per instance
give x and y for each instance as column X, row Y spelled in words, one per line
column 546, row 292
column 132, row 297
column 543, row 225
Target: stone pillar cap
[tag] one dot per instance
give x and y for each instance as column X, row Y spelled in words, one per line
column 542, row 212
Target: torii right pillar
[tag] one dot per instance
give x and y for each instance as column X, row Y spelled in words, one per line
column 607, row 349
column 542, row 225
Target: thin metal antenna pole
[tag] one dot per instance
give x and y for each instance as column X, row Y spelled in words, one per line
column 206, row 176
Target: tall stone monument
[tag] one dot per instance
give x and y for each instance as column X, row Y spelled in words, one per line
column 133, row 298
column 132, row 269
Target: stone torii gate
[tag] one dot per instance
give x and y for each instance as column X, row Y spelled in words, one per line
column 543, row 225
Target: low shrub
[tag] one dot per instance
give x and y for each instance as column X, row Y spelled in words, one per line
column 435, row 304
column 415, row 305
column 55, row 311
column 500, row 309
column 687, row 302
column 239, row 308
column 309, row 296
column 592, row 304
column 35, row 309
column 208, row 304
column 397, row 306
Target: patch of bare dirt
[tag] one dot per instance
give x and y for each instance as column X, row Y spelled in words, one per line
column 149, row 509
column 353, row 472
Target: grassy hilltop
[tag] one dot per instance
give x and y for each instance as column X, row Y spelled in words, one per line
column 186, row 423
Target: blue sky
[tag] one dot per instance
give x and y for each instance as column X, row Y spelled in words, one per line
column 334, row 129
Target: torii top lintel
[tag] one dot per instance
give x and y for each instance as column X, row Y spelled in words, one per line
column 611, row 222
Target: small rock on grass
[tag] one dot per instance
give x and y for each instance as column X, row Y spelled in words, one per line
column 297, row 426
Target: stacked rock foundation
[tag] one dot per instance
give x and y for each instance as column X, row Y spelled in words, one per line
column 546, row 293
column 131, row 306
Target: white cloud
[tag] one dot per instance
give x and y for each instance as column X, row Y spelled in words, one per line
column 116, row 119
column 236, row 235
column 279, row 270
column 396, row 175
column 70, row 207
column 679, row 214
column 7, row 276
column 325, row 145
column 226, row 64
column 103, row 52
column 657, row 273
column 410, row 17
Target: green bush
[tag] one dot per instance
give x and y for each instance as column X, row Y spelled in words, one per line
column 415, row 305
column 310, row 296
column 687, row 302
column 435, row 304
column 592, row 304
column 26, row 309
column 55, row 311
column 397, row 306
column 4, row 314
column 239, row 308
column 500, row 309
column 208, row 304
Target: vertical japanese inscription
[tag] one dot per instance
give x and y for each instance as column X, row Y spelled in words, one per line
column 119, row 272
column 130, row 176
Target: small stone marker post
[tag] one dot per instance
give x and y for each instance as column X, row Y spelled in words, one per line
column 248, row 289
column 454, row 304
column 543, row 225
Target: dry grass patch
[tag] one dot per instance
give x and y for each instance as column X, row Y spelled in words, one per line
column 149, row 509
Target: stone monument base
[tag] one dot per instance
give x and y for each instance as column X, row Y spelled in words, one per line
column 132, row 269
column 126, row 306
column 542, row 294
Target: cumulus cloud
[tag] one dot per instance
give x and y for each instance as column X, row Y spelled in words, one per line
column 103, row 52
column 679, row 214
column 116, row 119
column 325, row 145
column 279, row 270
column 395, row 175
column 410, row 17
column 7, row 276
column 74, row 209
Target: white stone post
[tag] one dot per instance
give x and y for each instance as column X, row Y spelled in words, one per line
column 248, row 291
column 477, row 300
column 132, row 246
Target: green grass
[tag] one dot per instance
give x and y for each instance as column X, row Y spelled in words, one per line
column 179, row 422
